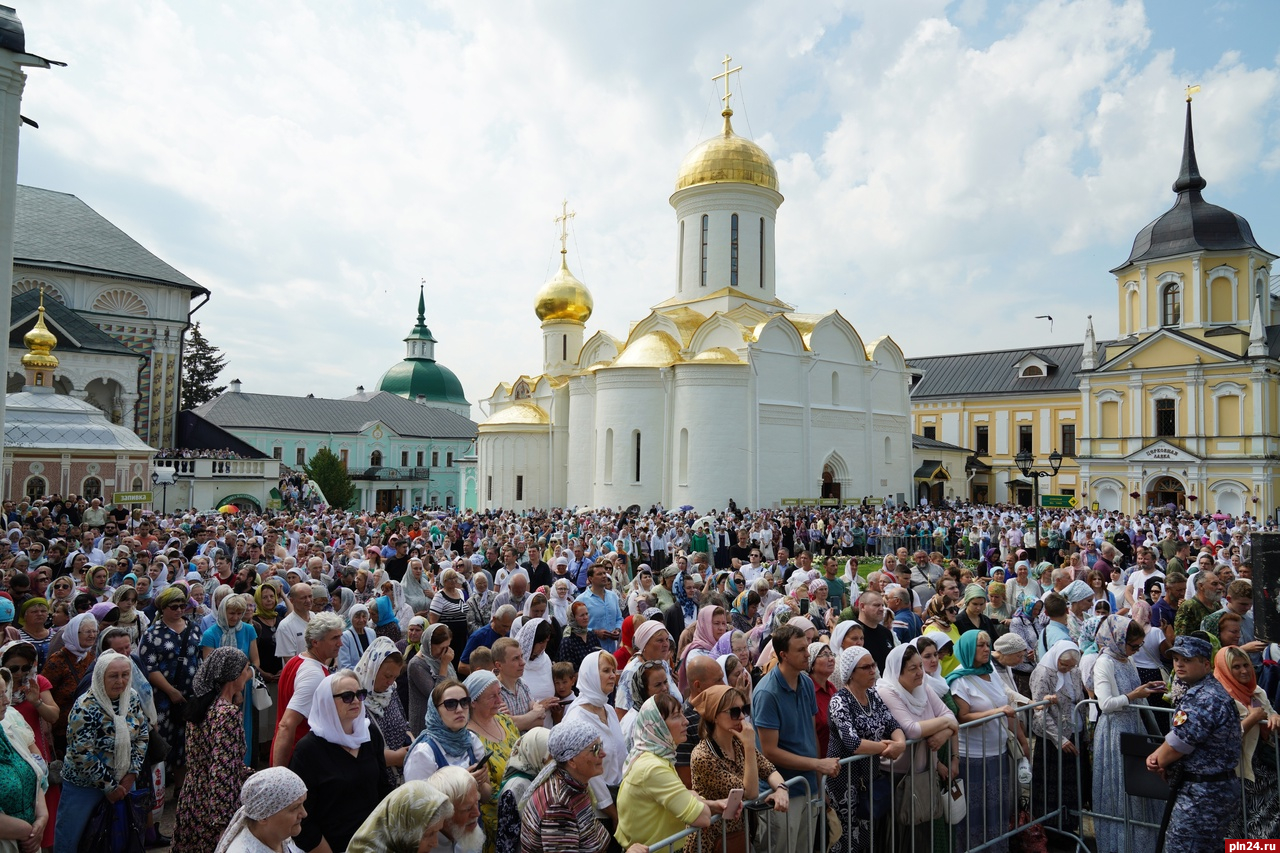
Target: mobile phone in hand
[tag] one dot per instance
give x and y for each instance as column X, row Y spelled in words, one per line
column 733, row 805
column 483, row 760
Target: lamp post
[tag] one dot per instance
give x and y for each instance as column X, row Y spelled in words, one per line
column 1025, row 461
column 164, row 477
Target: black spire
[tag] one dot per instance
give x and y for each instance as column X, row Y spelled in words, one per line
column 1189, row 178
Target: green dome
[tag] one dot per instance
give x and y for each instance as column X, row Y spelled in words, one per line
column 415, row 376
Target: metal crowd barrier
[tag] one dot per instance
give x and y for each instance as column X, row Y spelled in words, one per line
column 799, row 791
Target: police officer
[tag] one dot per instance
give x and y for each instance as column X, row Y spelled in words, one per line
column 1199, row 756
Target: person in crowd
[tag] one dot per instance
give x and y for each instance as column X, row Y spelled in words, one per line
column 449, row 606
column 408, row 820
column 1007, row 654
column 533, row 637
column 233, row 630
column 290, row 633
column 597, row 678
column 653, row 645
column 973, row 616
column 1120, row 693
column 508, row 664
column 479, row 607
column 527, row 760
column 653, row 803
column 341, row 762
column 1061, row 744
column 445, row 739
column 299, row 681
column 107, row 734
column 984, row 752
column 170, row 655
column 499, row 626
column 416, row 585
column 822, row 665
column 67, row 666
column 377, row 671
column 461, row 833
column 648, row 680
column 861, row 724
column 498, row 733
column 214, row 734
column 558, row 814
column 579, row 640
column 726, row 758
column 357, row 638
column 426, row 670
column 342, row 600
column 24, row 812
column 1233, row 668
column 940, row 617
column 711, row 625
column 272, row 808
column 131, row 619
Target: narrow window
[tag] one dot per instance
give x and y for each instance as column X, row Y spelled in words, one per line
column 35, row 488
column 375, row 459
column 519, row 487
column 608, row 456
column 564, row 347
column 762, row 251
column 404, row 459
column 1068, row 439
column 684, row 456
column 342, row 454
column 706, row 228
column 448, row 459
column 680, row 258
column 300, row 456
column 636, row 478
column 1166, row 418
column 1171, row 310
column 835, row 388
column 888, row 450
column 91, row 489
column 419, row 458
column 981, row 441
column 277, row 453
column 488, row 488
column 435, row 459
column 733, row 250
column 1025, row 439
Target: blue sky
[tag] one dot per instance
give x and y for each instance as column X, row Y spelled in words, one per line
column 950, row 170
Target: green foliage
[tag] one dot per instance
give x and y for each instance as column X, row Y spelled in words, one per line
column 201, row 364
column 328, row 472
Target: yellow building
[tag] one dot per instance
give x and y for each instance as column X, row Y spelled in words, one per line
column 1181, row 409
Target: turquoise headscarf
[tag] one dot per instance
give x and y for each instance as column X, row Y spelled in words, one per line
column 966, row 649
column 383, row 610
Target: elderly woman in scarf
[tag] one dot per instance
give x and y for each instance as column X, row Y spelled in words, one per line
column 527, row 760
column 578, row 641
column 407, row 821
column 107, row 733
column 214, row 725
column 341, row 761
column 232, row 629
column 653, row 803
column 1079, row 598
column 559, row 602
column 427, row 669
column 377, row 671
column 342, row 600
column 1060, row 734
column 357, row 638
column 270, row 814
column 972, row 616
column 416, row 587
column 557, row 813
column 67, row 666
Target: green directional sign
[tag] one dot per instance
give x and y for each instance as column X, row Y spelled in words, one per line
column 1059, row 501
column 791, row 501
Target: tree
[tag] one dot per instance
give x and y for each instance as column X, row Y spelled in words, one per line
column 327, row 471
column 201, row 364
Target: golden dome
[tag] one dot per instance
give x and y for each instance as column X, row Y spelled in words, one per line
column 654, row 349
column 564, row 297
column 40, row 343
column 727, row 158
column 519, row 414
column 717, row 355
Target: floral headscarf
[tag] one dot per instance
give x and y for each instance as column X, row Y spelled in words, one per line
column 1111, row 637
column 1088, row 631
column 367, row 672
column 397, row 822
column 650, row 735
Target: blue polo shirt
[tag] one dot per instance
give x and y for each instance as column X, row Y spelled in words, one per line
column 774, row 705
column 606, row 614
column 483, row 637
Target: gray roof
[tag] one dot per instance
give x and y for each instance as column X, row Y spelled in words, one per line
column 40, row 419
column 73, row 331
column 237, row 410
column 59, row 231
column 923, row 442
column 977, row 373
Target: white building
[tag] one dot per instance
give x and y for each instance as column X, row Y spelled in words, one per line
column 722, row 392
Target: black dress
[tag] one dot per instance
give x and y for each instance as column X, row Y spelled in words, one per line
column 342, row 789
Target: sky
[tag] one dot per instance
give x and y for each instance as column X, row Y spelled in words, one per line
column 951, row 169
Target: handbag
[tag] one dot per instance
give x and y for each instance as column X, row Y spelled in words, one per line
column 919, row 798
column 957, row 803
column 119, row 827
column 157, row 746
column 261, row 696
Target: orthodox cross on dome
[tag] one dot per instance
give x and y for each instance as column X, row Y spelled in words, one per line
column 725, row 74
column 563, row 221
column 1191, row 90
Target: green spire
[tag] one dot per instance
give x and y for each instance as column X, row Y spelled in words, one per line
column 421, row 332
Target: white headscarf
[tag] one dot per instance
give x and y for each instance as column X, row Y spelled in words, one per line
column 267, row 792
column 229, row 634
column 71, row 636
column 935, row 681
column 1050, row 661
column 917, row 700
column 837, row 636
column 324, row 717
column 589, row 690
column 118, row 712
column 560, row 604
column 846, row 661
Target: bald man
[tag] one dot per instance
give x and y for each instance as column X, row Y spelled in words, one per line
column 703, row 671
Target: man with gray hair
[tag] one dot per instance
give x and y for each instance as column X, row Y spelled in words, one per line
column 516, row 593
column 499, row 626
column 289, row 633
column 299, row 680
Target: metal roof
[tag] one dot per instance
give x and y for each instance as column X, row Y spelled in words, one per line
column 923, row 442
column 59, row 231
column 40, row 419
column 73, row 331
column 238, row 410
column 976, row 373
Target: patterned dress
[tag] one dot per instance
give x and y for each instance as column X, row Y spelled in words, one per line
column 502, row 750
column 64, row 673
column 1112, row 679
column 176, row 656
column 211, row 793
column 851, row 723
column 561, row 819
column 714, row 775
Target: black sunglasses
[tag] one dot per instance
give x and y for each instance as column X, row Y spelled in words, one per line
column 350, row 696
column 455, row 704
column 26, row 668
column 735, row 713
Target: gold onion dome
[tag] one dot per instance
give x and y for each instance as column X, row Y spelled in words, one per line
column 727, row 158
column 564, row 297
column 40, row 343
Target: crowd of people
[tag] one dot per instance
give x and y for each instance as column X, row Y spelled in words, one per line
column 320, row 680
column 202, row 453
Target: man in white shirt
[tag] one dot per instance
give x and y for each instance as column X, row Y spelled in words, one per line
column 292, row 628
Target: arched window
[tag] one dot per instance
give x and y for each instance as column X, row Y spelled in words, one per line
column 835, row 387
column 706, row 229
column 35, row 488
column 608, row 456
column 762, row 251
column 91, row 488
column 683, row 477
column 888, row 449
column 564, row 347
column 1171, row 306
column 137, row 484
column 733, row 250
column 375, row 459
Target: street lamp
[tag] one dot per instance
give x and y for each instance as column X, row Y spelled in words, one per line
column 1025, row 461
column 164, row 478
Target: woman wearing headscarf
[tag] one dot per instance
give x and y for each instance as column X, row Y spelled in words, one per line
column 1060, row 735
column 533, row 638
column 416, row 587
column 1079, row 598
column 860, row 724
column 427, row 669
column 559, row 601
column 527, row 760
column 653, row 645
column 711, row 625
column 270, row 814
column 400, row 607
column 23, row 775
column 377, row 671
column 984, row 753
column 66, row 667
column 727, row 757
column 578, row 642
column 342, row 600
column 95, row 583
column 1121, row 693
column 597, row 678
column 973, row 616
column 357, row 638
column 1234, row 670
column 653, row 803
column 557, row 813
column 130, row 618
column 214, row 730
column 445, row 739
column 382, row 611
column 479, row 605
column 33, row 617
column 498, row 734
column 232, row 630
column 407, row 821
column 341, row 762
column 107, row 734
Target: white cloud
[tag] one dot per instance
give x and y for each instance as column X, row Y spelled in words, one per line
column 310, row 163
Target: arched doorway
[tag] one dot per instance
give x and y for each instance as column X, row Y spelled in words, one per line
column 835, row 476
column 1166, row 491
column 830, row 485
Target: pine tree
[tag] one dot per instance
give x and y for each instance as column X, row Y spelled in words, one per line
column 327, row 471
column 201, row 364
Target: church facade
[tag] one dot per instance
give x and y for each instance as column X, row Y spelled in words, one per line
column 1182, row 409
column 723, row 391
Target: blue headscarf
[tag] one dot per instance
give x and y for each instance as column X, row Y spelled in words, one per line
column 966, row 649
column 383, row 610
column 478, row 682
column 451, row 742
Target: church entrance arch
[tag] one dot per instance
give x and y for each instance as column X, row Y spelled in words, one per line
column 1165, row 491
column 835, row 476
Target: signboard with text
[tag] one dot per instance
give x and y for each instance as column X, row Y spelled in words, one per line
column 1059, row 501
column 131, row 498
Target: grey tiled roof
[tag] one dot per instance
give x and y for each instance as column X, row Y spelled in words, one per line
column 83, row 334
column 978, row 373
column 59, row 231
column 237, row 410
column 922, row 442
column 47, row 421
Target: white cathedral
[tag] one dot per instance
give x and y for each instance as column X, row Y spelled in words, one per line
column 724, row 391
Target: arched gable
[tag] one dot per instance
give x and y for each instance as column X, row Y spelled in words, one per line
column 718, row 331
column 600, row 348
column 834, row 338
column 885, row 351
column 655, row 322
column 779, row 335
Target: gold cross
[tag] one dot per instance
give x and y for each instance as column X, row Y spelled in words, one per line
column 725, row 74
column 1191, row 90
column 563, row 220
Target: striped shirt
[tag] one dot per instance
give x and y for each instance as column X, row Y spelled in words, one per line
column 561, row 819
